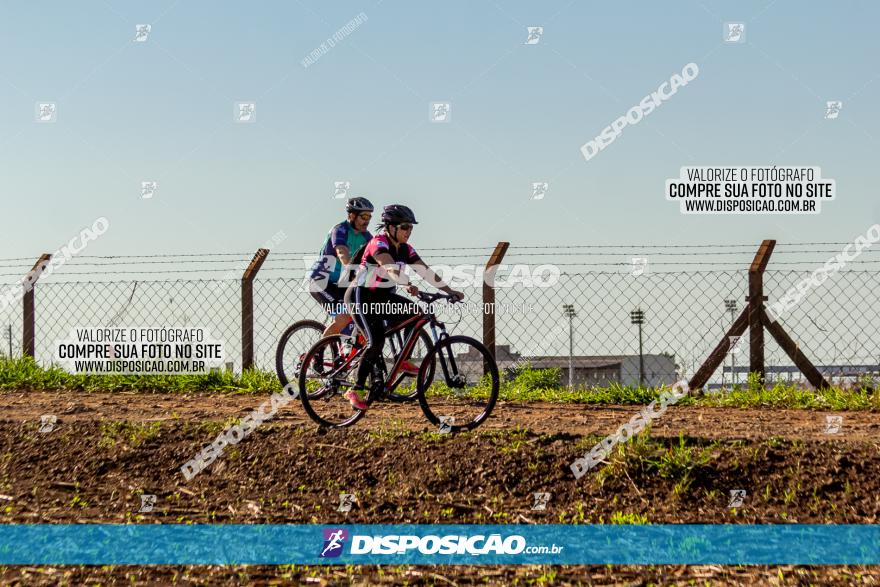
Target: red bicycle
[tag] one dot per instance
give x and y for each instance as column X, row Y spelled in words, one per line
column 302, row 335
column 461, row 399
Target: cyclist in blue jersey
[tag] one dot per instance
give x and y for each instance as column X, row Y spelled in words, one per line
column 341, row 243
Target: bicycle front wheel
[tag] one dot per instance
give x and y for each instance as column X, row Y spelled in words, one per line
column 461, row 397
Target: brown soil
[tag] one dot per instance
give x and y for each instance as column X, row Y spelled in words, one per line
column 89, row 469
column 539, row 417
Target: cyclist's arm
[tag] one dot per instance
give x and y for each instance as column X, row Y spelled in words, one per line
column 431, row 277
column 343, row 253
column 390, row 269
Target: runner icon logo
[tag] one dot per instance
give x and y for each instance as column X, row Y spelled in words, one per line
column 833, row 424
column 47, row 423
column 832, row 109
column 535, row 34
column 345, row 502
column 737, row 496
column 334, row 540
column 148, row 501
column 446, row 424
column 734, row 32
column 541, row 500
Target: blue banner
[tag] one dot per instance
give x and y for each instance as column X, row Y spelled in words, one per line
column 166, row 544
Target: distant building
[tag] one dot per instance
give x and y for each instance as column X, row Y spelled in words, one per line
column 589, row 370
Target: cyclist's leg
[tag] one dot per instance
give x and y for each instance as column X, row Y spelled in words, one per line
column 330, row 296
column 338, row 325
column 374, row 333
column 340, row 318
column 404, row 310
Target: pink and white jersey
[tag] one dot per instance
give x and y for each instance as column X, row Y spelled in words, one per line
column 371, row 274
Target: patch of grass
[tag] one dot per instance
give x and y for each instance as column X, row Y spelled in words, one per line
column 388, row 430
column 77, row 501
column 678, row 461
column 586, row 442
column 863, row 396
column 528, row 379
column 134, row 432
column 626, row 518
column 24, row 373
column 634, row 453
column 506, row 440
column 434, row 436
column 543, row 385
column 648, row 457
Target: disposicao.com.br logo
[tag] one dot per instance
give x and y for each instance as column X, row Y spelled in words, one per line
column 401, row 544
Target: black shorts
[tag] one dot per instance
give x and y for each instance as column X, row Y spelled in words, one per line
column 330, row 296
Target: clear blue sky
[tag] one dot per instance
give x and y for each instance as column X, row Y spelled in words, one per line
column 163, row 110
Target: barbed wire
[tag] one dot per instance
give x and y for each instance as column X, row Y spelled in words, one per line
column 249, row 254
column 300, row 271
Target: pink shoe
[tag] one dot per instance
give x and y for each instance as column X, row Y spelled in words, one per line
column 356, row 401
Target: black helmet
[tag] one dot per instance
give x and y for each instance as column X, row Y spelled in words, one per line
column 397, row 214
column 359, row 205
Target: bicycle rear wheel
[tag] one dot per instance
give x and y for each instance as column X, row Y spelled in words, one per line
column 461, row 397
column 329, row 370
column 295, row 341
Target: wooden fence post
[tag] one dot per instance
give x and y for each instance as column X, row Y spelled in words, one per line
column 755, row 318
column 247, row 308
column 28, row 326
column 756, row 300
column 489, row 299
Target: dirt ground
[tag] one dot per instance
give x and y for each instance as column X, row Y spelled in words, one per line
column 539, row 417
column 105, row 450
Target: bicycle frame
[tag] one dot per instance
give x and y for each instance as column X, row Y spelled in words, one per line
column 417, row 322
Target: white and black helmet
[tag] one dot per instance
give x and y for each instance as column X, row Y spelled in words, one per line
column 359, row 205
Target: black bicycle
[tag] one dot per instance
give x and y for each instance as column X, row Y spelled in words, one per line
column 461, row 399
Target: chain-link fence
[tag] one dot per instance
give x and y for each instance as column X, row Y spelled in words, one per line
column 689, row 296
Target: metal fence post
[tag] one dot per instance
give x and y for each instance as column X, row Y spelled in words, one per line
column 489, row 299
column 247, row 308
column 28, row 327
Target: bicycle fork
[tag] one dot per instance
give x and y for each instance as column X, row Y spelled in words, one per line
column 447, row 358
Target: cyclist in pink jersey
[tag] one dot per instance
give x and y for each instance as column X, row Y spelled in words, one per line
column 381, row 268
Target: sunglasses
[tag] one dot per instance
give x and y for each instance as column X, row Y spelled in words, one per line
column 365, row 216
column 407, row 227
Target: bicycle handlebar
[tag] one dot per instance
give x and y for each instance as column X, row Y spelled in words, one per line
column 430, row 298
